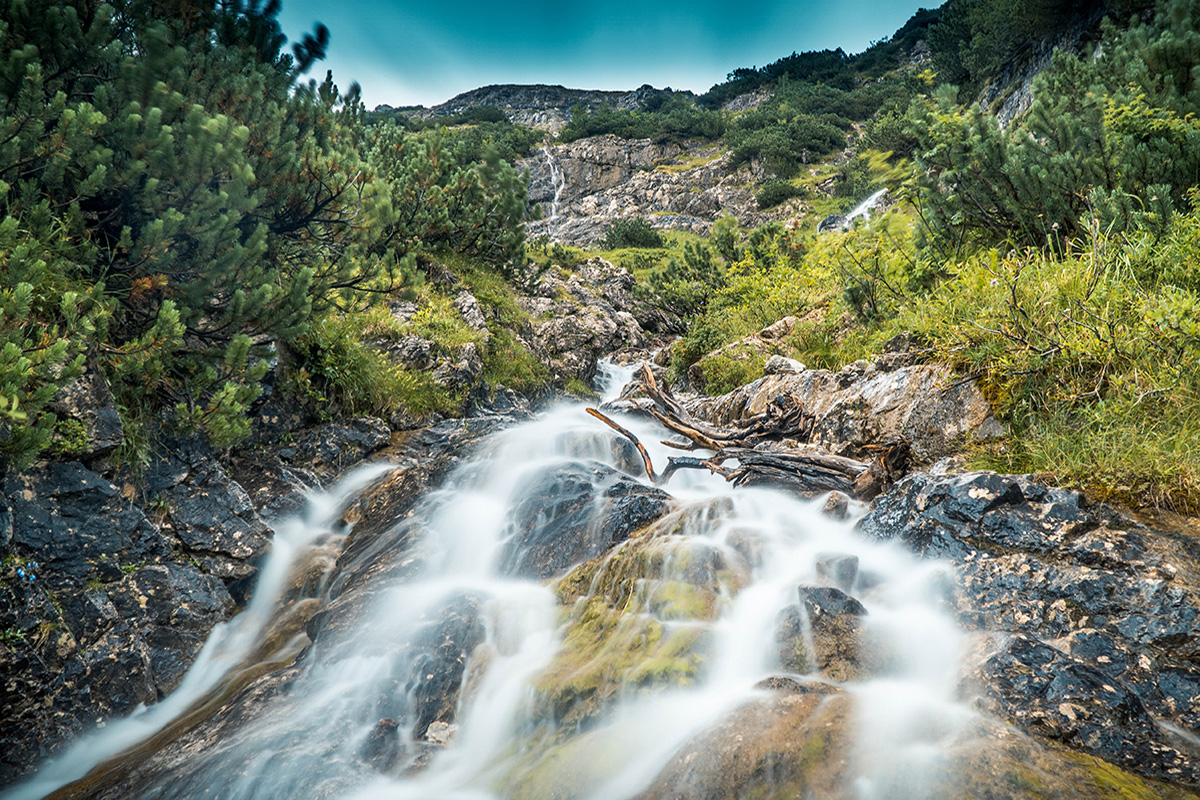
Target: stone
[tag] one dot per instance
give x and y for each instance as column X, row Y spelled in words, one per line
column 572, row 513
column 88, row 401
column 836, row 505
column 780, row 365
column 839, row 569
column 860, row 406
column 824, row 634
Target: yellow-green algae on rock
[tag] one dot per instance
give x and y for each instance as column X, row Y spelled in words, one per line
column 639, row 617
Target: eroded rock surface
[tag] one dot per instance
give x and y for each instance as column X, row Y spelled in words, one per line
column 1091, row 621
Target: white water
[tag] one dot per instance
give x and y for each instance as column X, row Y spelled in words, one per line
column 227, row 646
column 864, row 208
column 556, row 180
column 306, row 742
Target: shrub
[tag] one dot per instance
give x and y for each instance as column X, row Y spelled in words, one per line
column 632, row 232
column 776, row 191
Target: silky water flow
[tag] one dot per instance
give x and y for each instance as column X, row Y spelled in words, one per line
column 308, row 741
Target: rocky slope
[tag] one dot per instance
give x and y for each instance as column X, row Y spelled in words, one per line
column 584, row 185
column 112, row 580
column 540, row 105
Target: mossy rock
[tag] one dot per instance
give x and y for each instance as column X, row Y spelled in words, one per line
column 638, row 617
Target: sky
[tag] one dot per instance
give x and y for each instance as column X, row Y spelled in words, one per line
column 423, row 52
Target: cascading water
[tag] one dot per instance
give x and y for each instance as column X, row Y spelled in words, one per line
column 557, row 181
column 751, row 548
column 864, row 208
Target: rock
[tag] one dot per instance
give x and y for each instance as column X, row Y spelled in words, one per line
column 831, row 621
column 88, row 402
column 209, row 513
column 1089, row 639
column 1054, row 695
column 77, row 525
column 837, row 505
column 593, row 508
column 782, row 365
column 440, row 650
column 94, row 653
column 327, row 449
column 861, row 405
column 839, row 569
column 471, row 312
column 832, row 222
column 581, row 317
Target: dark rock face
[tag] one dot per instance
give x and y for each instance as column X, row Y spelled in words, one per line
column 572, row 513
column 77, row 525
column 1050, row 693
column 88, row 401
column 443, row 647
column 1104, row 614
column 88, row 654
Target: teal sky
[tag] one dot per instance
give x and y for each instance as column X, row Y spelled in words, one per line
column 426, row 51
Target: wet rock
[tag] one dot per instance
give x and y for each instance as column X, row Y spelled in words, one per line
column 275, row 489
column 837, row 505
column 440, row 651
column 785, row 746
column 89, row 654
column 1054, row 695
column 573, row 513
column 1096, row 605
column 824, row 633
column 833, row 222
column 327, row 449
column 839, row 569
column 862, row 405
column 383, row 747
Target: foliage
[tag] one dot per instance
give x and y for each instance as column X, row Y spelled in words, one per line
column 676, row 119
column 1112, row 136
column 631, row 232
column 172, row 199
column 776, row 191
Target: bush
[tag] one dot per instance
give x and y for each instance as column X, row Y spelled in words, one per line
column 632, row 232
column 776, row 191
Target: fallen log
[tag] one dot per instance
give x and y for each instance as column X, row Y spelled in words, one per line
column 807, row 470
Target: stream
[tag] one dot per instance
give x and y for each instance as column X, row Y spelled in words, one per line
column 359, row 683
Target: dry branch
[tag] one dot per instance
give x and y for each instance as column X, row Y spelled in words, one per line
column 805, row 470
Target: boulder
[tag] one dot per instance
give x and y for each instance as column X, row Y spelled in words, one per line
column 1091, row 622
column 88, row 402
column 573, row 513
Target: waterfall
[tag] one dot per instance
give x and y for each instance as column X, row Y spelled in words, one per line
column 557, row 181
column 864, row 208
column 366, row 676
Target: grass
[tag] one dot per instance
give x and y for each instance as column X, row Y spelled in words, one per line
column 1091, row 355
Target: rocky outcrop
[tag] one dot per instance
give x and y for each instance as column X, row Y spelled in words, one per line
column 585, row 185
column 1089, row 623
column 573, row 514
column 540, row 105
column 868, row 403
column 580, row 316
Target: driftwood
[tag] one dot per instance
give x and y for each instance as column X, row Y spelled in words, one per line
column 805, row 470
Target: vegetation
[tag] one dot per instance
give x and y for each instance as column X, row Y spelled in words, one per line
column 667, row 118
column 173, row 199
column 1054, row 260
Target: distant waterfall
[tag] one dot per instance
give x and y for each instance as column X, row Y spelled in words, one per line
column 557, row 181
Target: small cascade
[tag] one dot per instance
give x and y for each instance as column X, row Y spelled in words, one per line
column 557, row 181
column 864, row 208
column 841, row 222
column 227, row 649
column 691, row 605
